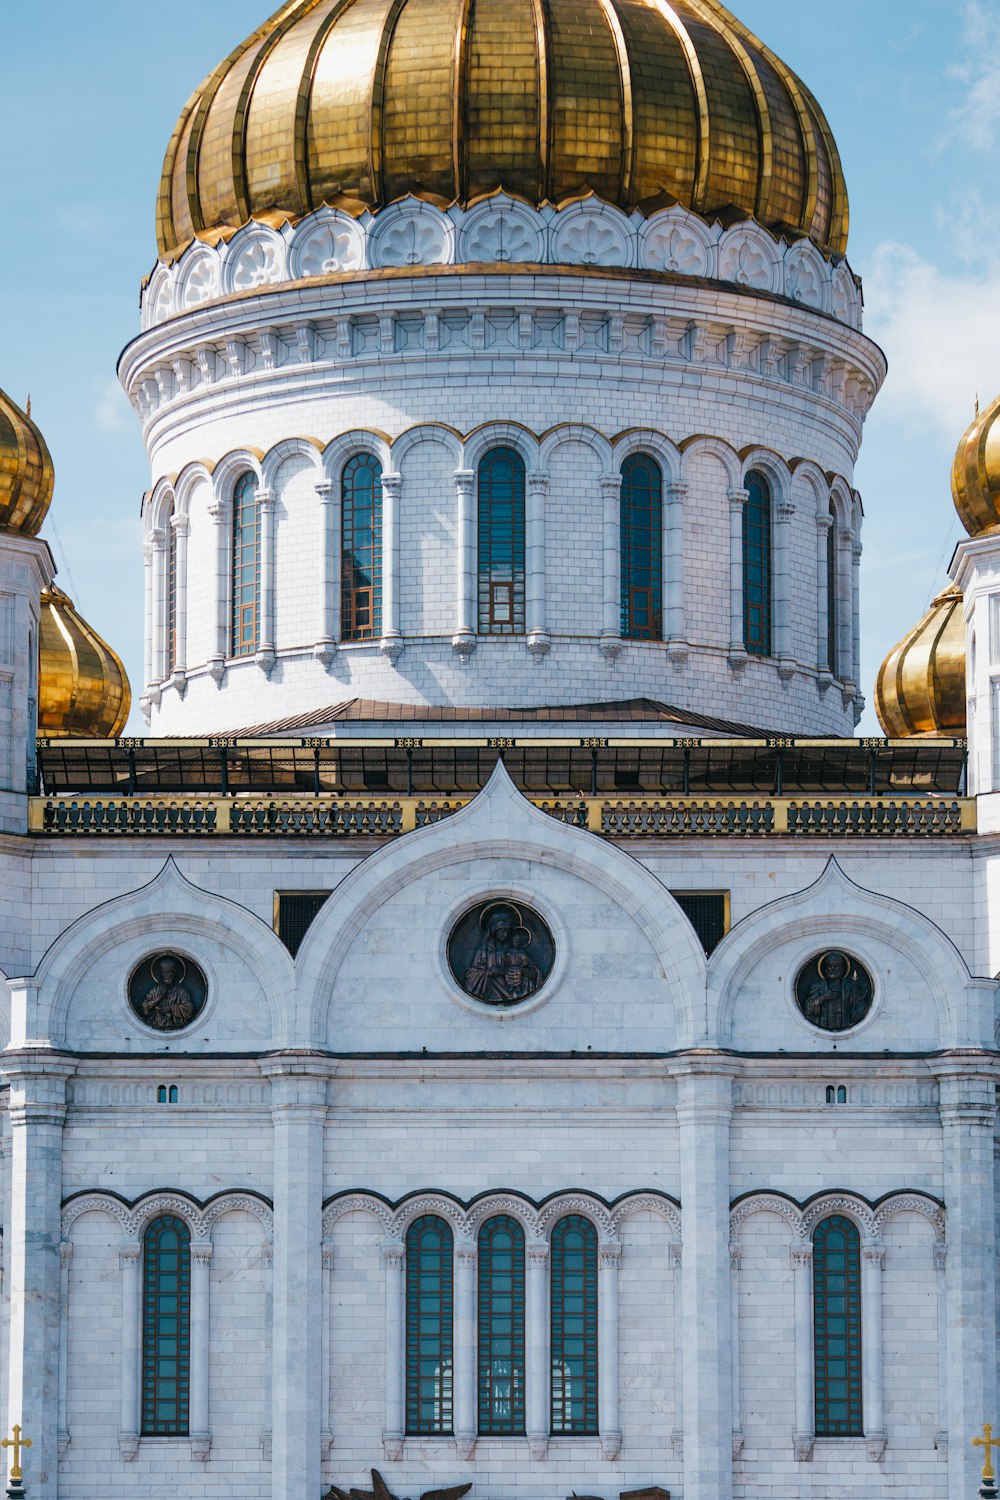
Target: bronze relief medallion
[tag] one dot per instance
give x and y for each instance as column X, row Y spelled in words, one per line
column 166, row 991
column 501, row 952
column 834, row 990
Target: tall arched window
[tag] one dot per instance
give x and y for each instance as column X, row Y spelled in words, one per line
column 246, row 567
column 429, row 1334
column 501, row 542
column 757, row 566
column 642, row 549
column 166, row 1327
column 832, row 602
column 837, row 1324
column 574, row 1326
column 361, row 549
column 501, row 1326
column 171, row 593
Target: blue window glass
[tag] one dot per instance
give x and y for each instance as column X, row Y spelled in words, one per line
column 171, row 594
column 574, row 1326
column 501, row 542
column 501, row 1326
column 831, row 592
column 166, row 1327
column 361, row 549
column 429, row 1311
column 246, row 567
column 757, row 566
column 642, row 549
column 837, row 1324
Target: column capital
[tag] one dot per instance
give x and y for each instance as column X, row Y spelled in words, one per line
column 157, row 539
column 324, row 490
column 219, row 510
column 266, row 499
column 201, row 1252
column 845, row 536
column 65, row 1252
column 391, row 484
column 180, row 523
column 538, row 1253
column 785, row 511
column 677, row 489
column 464, row 480
column 609, row 1254
column 537, row 479
column 393, row 1254
column 735, row 1254
column 824, row 522
column 329, row 1255
column 129, row 1254
column 802, row 1255
column 611, row 486
column 873, row 1254
column 738, row 498
column 465, row 1253
column 856, row 552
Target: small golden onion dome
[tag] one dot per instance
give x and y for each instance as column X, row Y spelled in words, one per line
column 83, row 692
column 975, row 474
column 26, row 474
column 921, row 685
column 356, row 103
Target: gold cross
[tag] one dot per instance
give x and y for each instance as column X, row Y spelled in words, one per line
column 987, row 1441
column 17, row 1442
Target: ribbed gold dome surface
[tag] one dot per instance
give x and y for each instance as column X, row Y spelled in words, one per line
column 921, row 685
column 975, row 474
column 355, row 103
column 83, row 692
column 26, row 474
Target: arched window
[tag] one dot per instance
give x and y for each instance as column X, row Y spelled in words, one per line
column 501, row 542
column 361, row 549
column 757, row 566
column 166, row 1327
column 574, row 1326
column 246, row 567
column 171, row 661
column 642, row 549
column 837, row 1323
column 501, row 1326
column 832, row 602
column 429, row 1307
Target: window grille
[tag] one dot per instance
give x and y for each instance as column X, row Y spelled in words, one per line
column 429, row 1312
column 836, row 1095
column 501, row 542
column 361, row 549
column 574, row 1326
column 293, row 915
column 757, row 566
column 837, row 1323
column 166, row 1327
column 708, row 913
column 641, row 549
column 832, row 602
column 501, row 1327
column 246, row 567
column 167, row 1095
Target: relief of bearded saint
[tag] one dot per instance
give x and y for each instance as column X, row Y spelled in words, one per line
column 168, row 1004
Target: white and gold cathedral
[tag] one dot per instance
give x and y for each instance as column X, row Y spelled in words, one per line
column 498, row 1028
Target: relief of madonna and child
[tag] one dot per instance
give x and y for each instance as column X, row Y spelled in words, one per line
column 501, row 953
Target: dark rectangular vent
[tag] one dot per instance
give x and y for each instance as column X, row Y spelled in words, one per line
column 708, row 913
column 293, row 914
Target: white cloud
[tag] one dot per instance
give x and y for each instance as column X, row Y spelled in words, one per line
column 111, row 410
column 976, row 120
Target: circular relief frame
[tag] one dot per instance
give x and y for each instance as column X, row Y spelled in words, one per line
column 834, row 992
column 167, row 992
column 542, row 945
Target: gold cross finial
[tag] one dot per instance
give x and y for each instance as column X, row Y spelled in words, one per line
column 987, row 1442
column 17, row 1442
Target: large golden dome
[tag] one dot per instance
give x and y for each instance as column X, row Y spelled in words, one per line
column 975, row 474
column 83, row 691
column 356, row 103
column 26, row 474
column 921, row 685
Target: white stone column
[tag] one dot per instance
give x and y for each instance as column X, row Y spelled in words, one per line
column 394, row 1270
column 392, row 639
column 805, row 1406
column 65, row 1261
column 158, row 546
column 783, row 643
column 326, row 1434
column 872, row 1368
column 325, row 648
column 177, row 668
column 37, row 1113
column 536, row 1337
column 677, row 1271
column 824, row 525
column 466, row 572
column 608, row 1356
column 737, row 644
column 130, row 1265
column 466, row 1423
column 221, row 513
column 704, row 1114
column 735, row 1263
column 265, row 655
column 299, row 1085
column 968, row 1116
column 538, row 641
column 940, row 1262
column 674, row 606
column 611, row 513
column 198, row 1417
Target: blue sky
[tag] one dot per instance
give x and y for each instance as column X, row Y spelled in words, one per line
column 92, row 91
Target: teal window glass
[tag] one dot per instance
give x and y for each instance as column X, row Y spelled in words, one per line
column 757, row 567
column 501, row 1326
column 642, row 549
column 573, row 1259
column 501, row 542
column 246, row 567
column 837, row 1325
column 429, row 1333
column 831, row 592
column 166, row 1327
column 361, row 549
column 171, row 594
